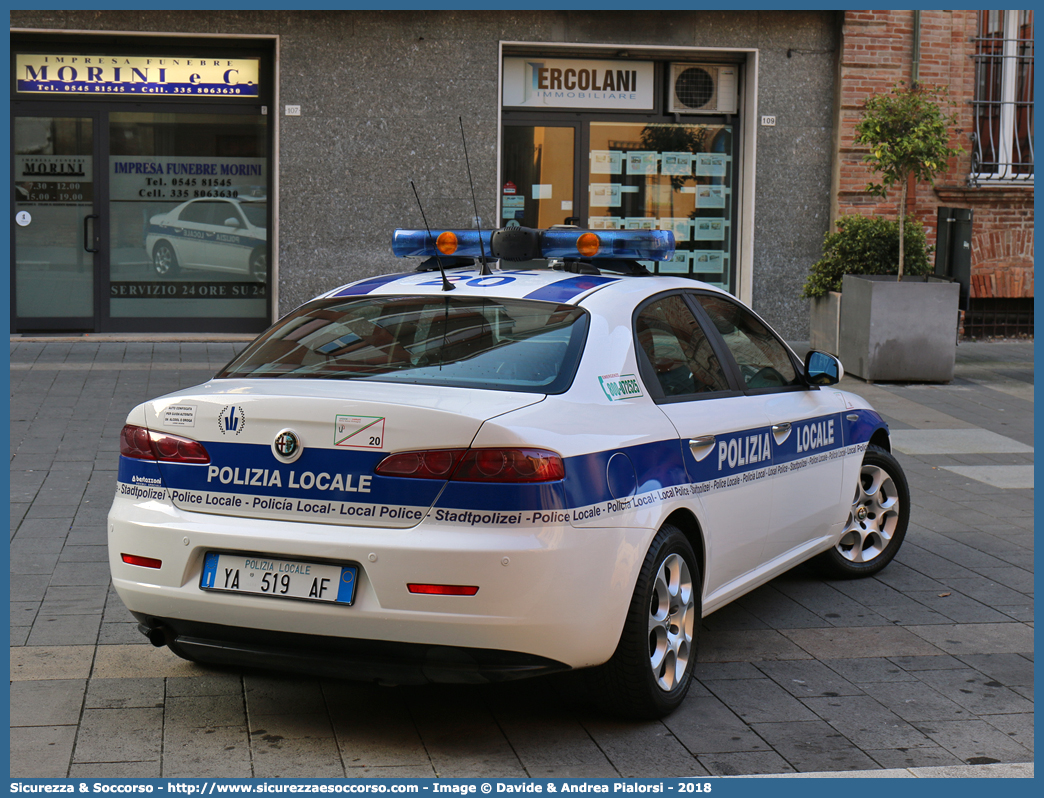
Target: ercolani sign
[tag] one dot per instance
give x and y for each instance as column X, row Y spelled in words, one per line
column 107, row 74
column 576, row 83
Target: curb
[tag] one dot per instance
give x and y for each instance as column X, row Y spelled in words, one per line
column 1012, row 770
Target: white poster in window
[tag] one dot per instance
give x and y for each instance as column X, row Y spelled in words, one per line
column 541, row 191
column 639, row 223
column 605, row 195
column 679, row 225
column 708, row 261
column 642, row 163
column 676, row 163
column 512, row 207
column 710, row 230
column 606, row 162
column 710, row 197
column 711, row 164
column 678, row 264
column 603, row 223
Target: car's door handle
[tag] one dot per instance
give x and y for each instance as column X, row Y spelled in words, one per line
column 701, row 446
column 781, row 429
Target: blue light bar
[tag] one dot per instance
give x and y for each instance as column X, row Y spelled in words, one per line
column 616, row 244
column 557, row 243
column 417, row 243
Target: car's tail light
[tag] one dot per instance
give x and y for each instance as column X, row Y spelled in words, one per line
column 144, row 562
column 509, row 465
column 475, row 465
column 144, row 444
column 432, row 464
column 442, row 590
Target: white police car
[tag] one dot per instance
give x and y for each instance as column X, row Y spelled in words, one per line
column 540, row 469
column 225, row 235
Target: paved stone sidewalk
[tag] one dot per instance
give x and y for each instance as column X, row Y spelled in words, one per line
column 928, row 665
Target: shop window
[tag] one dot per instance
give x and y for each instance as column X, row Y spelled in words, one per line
column 1002, row 141
column 188, row 215
column 666, row 176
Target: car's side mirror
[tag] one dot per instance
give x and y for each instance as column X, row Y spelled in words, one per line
column 822, row 368
column 231, row 221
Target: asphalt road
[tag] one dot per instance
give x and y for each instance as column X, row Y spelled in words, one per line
column 929, row 665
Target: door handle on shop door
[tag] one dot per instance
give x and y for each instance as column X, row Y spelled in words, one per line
column 87, row 237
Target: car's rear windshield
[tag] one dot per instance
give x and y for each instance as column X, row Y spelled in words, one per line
column 502, row 344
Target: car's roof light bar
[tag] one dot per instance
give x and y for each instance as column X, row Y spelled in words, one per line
column 522, row 243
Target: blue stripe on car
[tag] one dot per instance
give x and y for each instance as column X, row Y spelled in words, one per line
column 180, row 234
column 366, row 286
column 564, row 290
column 247, row 468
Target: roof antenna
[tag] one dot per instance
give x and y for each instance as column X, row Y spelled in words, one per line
column 482, row 247
column 446, row 284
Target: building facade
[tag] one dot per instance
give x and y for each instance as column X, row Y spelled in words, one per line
column 985, row 60
column 210, row 171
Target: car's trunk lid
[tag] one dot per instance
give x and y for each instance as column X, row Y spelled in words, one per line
column 342, row 432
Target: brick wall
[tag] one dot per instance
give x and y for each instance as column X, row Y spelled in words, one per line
column 876, row 53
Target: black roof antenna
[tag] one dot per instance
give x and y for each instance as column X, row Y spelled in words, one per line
column 482, row 247
column 446, row 284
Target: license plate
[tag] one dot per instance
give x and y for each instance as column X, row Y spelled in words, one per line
column 265, row 576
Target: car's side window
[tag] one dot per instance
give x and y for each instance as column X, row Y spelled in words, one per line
column 226, row 211
column 679, row 351
column 762, row 359
column 198, row 212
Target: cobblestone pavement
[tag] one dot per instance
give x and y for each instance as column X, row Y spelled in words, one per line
column 928, row 665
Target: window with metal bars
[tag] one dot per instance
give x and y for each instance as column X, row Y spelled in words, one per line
column 999, row 317
column 1002, row 141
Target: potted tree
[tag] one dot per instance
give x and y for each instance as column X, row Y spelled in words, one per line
column 896, row 321
column 859, row 245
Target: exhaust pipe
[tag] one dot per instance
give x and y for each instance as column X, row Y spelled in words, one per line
column 157, row 635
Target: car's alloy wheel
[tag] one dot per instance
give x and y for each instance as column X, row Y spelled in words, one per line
column 259, row 267
column 877, row 520
column 650, row 672
column 164, row 260
column 671, row 622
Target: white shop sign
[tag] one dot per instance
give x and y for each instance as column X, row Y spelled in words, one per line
column 576, row 83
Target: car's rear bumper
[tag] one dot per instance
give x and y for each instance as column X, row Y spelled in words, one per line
column 552, row 593
column 366, row 660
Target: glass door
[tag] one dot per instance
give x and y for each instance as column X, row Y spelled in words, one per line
column 57, row 238
column 538, row 174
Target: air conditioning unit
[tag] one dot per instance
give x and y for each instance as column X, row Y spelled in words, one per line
column 704, row 89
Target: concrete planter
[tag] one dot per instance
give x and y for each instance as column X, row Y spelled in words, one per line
column 903, row 331
column 825, row 323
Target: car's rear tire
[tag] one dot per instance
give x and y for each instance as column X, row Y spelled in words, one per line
column 650, row 672
column 877, row 522
column 165, row 260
